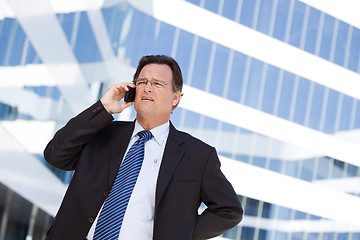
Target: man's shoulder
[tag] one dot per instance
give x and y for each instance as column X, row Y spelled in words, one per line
column 121, row 123
column 118, row 125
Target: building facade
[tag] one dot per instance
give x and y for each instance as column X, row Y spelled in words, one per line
column 274, row 85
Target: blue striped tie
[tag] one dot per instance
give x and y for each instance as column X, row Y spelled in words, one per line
column 112, row 213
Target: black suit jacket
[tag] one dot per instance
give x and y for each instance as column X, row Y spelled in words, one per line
column 93, row 145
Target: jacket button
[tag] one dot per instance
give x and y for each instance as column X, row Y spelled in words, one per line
column 91, row 220
column 106, row 194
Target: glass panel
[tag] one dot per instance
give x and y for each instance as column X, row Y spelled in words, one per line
column 341, row 43
column 264, row 19
column 211, row 124
column 297, row 236
column 271, row 86
column 140, row 38
column 266, row 210
column 164, row 40
column 280, row 235
column 114, row 19
column 229, row 9
column 183, row 53
column 196, row 2
column 67, row 21
column 237, row 77
column 352, row 171
column 7, row 26
column 212, row 5
column 275, row 165
column 31, row 55
column 357, row 116
column 12, row 39
column 313, row 236
column 284, row 213
column 219, row 70
column 253, row 86
column 227, row 139
column 338, row 170
column 192, row 119
column 300, row 215
column 354, row 50
column 331, row 111
column 16, row 50
column 307, row 169
column 314, row 217
column 231, row 234
column 326, row 39
column 286, row 95
column 264, row 234
column 323, row 168
column 346, row 113
column 316, row 106
column 297, row 24
column 259, row 161
column 247, row 12
column 291, row 168
column 312, row 30
column 328, row 236
column 247, row 233
column 301, row 101
column 343, row 236
column 252, row 207
column 282, row 14
column 356, row 236
column 201, row 64
column 242, row 158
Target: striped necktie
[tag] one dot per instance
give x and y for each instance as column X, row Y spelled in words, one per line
column 112, row 213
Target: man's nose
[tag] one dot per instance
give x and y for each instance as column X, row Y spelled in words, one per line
column 148, row 86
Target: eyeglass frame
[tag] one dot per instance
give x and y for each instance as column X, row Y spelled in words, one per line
column 153, row 82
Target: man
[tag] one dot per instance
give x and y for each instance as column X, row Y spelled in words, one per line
column 178, row 171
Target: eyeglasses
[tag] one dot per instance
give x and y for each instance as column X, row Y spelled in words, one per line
column 142, row 82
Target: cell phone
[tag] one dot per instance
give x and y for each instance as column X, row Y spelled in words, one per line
column 130, row 95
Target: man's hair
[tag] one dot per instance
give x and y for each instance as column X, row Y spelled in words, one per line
column 177, row 80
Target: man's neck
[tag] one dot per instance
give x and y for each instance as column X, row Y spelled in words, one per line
column 149, row 124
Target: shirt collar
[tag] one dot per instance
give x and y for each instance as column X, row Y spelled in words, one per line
column 159, row 133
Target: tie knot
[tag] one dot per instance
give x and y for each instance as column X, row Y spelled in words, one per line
column 145, row 135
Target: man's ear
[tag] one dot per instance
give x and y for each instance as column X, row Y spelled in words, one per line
column 176, row 98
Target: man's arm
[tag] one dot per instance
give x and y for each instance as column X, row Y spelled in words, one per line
column 224, row 210
column 64, row 149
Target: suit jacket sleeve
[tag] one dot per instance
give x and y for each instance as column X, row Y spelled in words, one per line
column 64, row 149
column 224, row 210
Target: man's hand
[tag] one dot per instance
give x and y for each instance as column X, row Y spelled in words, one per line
column 113, row 95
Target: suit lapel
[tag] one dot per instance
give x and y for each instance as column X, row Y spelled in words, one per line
column 173, row 154
column 121, row 137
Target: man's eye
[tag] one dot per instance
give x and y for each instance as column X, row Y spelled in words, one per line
column 158, row 84
column 141, row 82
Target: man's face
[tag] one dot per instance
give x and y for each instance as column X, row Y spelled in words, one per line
column 156, row 100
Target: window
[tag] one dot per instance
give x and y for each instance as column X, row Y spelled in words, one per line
column 312, row 30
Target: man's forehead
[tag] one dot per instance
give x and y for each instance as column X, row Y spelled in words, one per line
column 156, row 71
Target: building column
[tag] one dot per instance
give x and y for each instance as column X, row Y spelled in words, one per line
column 32, row 222
column 5, row 216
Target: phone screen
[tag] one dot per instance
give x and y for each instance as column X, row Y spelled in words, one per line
column 130, row 95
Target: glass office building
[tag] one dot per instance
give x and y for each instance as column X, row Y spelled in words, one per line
column 274, row 85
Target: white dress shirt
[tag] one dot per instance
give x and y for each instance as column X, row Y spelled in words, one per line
column 139, row 216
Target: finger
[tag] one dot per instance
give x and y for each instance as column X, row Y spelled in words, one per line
column 126, row 105
column 127, row 85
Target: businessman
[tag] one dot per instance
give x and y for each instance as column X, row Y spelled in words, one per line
column 144, row 179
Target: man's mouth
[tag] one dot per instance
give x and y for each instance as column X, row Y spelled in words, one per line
column 147, row 98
